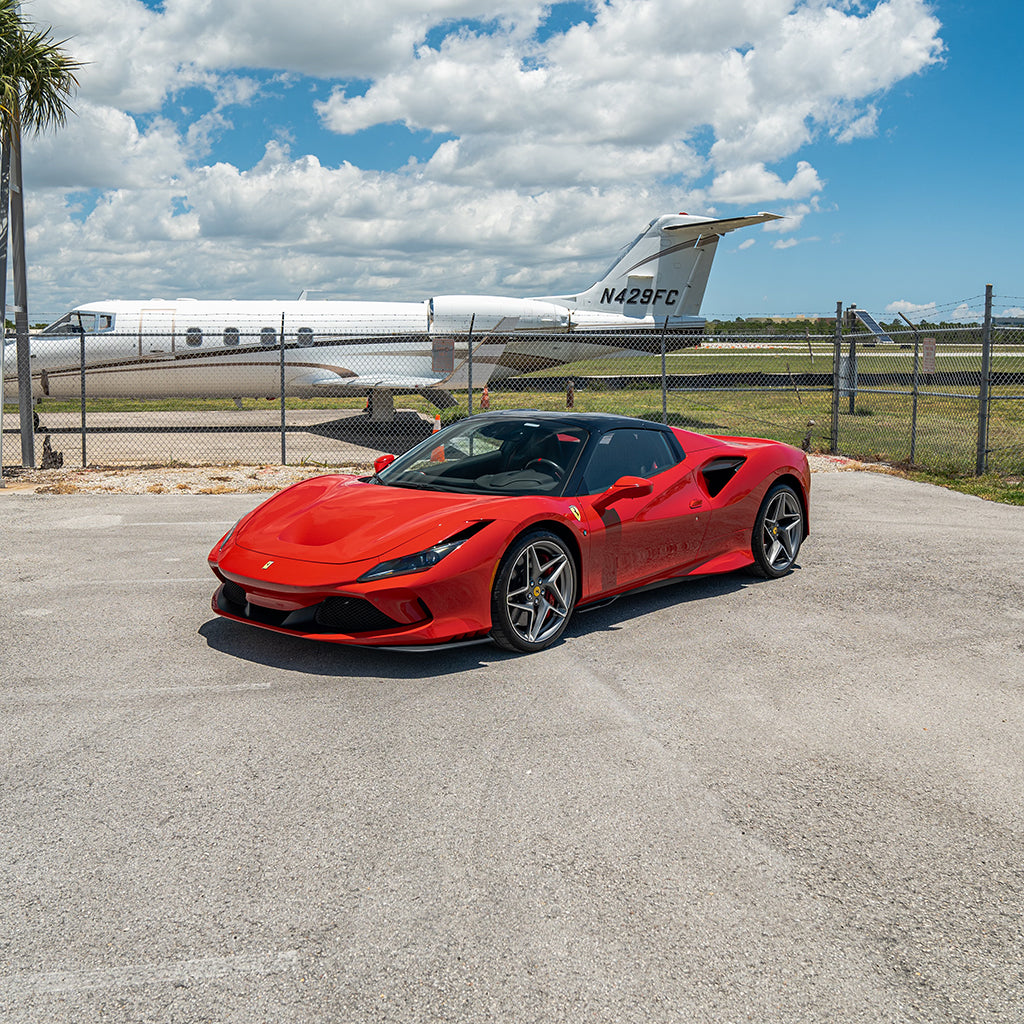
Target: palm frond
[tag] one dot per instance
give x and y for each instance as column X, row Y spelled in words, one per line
column 37, row 76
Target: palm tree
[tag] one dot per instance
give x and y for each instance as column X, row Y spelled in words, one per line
column 37, row 79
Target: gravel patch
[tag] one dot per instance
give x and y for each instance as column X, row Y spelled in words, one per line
column 166, row 479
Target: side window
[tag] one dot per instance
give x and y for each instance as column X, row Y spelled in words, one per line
column 305, row 335
column 194, row 337
column 627, row 452
column 268, row 336
column 230, row 335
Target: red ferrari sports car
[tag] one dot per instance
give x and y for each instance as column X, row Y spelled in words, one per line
column 501, row 524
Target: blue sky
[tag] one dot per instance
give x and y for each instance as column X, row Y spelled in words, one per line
column 234, row 149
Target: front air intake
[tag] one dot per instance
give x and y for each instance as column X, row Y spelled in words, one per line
column 352, row 615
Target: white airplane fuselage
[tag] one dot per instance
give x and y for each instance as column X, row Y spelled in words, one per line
column 234, row 348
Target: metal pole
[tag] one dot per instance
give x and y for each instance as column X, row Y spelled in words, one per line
column 81, row 348
column 284, row 460
column 851, row 373
column 917, row 384
column 837, row 351
column 664, row 377
column 28, row 441
column 983, row 397
column 469, row 342
column 5, row 202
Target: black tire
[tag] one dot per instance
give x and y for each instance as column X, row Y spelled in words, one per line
column 778, row 532
column 534, row 593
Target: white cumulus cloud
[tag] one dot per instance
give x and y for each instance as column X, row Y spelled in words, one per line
column 548, row 148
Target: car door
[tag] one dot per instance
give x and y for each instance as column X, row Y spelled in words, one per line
column 640, row 539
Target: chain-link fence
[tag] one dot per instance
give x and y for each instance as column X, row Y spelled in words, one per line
column 319, row 392
column 928, row 400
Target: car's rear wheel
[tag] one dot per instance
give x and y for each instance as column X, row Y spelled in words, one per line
column 534, row 593
column 778, row 532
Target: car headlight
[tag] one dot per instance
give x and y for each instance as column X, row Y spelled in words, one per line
column 227, row 537
column 408, row 564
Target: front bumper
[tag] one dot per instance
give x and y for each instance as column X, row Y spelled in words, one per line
column 448, row 603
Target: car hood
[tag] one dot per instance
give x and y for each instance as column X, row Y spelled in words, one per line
column 343, row 519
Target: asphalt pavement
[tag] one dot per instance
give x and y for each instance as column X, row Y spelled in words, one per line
column 729, row 800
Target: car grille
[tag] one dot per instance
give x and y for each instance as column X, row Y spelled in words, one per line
column 332, row 615
column 352, row 615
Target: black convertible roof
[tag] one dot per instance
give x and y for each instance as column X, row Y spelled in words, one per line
column 594, row 422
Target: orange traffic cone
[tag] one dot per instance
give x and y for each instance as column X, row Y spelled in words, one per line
column 437, row 422
column 485, row 399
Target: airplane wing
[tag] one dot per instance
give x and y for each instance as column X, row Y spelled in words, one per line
column 335, row 385
column 486, row 354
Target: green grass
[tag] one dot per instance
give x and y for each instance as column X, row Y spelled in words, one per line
column 788, row 359
column 878, row 429
column 1008, row 490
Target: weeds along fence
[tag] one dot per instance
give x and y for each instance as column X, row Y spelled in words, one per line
column 949, row 399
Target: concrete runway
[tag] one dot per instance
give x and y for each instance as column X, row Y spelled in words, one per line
column 730, row 800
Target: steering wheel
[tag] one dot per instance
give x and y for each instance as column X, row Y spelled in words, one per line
column 547, row 466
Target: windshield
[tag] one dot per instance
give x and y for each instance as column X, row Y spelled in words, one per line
column 492, row 457
column 91, row 323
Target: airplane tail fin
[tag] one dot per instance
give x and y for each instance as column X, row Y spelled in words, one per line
column 665, row 270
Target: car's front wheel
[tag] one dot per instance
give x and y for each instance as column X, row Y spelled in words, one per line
column 778, row 532
column 534, row 593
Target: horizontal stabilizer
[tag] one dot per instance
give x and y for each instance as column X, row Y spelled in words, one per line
column 727, row 224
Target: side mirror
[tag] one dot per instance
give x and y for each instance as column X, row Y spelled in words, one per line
column 383, row 462
column 624, row 487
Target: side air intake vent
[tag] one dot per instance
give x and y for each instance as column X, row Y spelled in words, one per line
column 718, row 472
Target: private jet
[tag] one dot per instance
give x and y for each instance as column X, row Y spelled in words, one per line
column 234, row 348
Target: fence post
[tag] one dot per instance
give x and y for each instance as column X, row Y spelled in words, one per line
column 284, row 460
column 469, row 356
column 916, row 391
column 851, row 373
column 837, row 353
column 986, row 365
column 664, row 377
column 81, row 370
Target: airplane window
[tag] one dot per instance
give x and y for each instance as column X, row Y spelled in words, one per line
column 268, row 336
column 230, row 335
column 194, row 337
column 106, row 321
column 305, row 335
